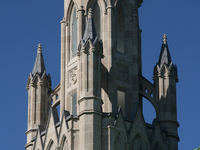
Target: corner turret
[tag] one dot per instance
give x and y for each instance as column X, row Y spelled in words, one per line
column 38, row 86
column 90, row 102
column 165, row 79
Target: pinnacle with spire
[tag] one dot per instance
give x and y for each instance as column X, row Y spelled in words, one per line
column 39, row 66
column 90, row 32
column 165, row 57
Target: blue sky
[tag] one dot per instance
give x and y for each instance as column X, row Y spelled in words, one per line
column 25, row 24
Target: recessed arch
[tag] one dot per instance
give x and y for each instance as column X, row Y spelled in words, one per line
column 50, row 145
column 90, row 3
column 138, row 142
column 70, row 5
column 64, row 143
column 119, row 143
column 73, row 32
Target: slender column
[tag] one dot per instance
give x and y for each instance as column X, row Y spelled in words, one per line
column 67, row 58
column 135, row 55
column 62, row 78
column 111, row 91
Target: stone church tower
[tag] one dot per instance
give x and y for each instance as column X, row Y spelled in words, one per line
column 99, row 97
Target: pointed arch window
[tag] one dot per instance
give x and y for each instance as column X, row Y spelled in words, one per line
column 73, row 32
column 97, row 18
column 120, row 29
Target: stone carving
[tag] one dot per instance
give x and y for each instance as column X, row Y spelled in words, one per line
column 73, row 76
column 122, row 73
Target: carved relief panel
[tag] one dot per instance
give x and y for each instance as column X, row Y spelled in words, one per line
column 73, row 76
column 122, row 73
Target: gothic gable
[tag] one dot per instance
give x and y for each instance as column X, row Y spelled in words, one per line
column 138, row 129
column 51, row 131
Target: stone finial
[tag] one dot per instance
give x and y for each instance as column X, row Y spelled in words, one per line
column 39, row 48
column 164, row 39
column 90, row 13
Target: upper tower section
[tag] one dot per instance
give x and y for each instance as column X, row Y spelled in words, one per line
column 38, row 86
column 116, row 26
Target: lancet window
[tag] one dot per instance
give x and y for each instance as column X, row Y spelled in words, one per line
column 120, row 29
column 121, row 97
column 73, row 32
column 74, row 104
column 97, row 18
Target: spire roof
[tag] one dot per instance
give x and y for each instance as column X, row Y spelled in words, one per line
column 39, row 66
column 165, row 57
column 90, row 32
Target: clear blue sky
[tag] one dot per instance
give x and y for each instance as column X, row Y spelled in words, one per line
column 24, row 24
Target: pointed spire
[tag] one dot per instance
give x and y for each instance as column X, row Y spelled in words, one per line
column 90, row 32
column 165, row 57
column 39, row 66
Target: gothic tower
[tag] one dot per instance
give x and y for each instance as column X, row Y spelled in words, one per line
column 101, row 88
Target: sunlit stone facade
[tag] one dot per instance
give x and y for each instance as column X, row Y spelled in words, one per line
column 99, row 97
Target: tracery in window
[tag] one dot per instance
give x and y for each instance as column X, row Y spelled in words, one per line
column 73, row 32
column 120, row 29
column 97, row 19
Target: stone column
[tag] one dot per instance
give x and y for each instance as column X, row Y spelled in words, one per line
column 110, row 65
column 67, row 59
column 62, row 66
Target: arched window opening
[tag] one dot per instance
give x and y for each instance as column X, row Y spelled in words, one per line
column 146, row 91
column 151, row 94
column 97, row 19
column 149, row 112
column 120, row 29
column 74, row 104
column 73, row 32
column 121, row 100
